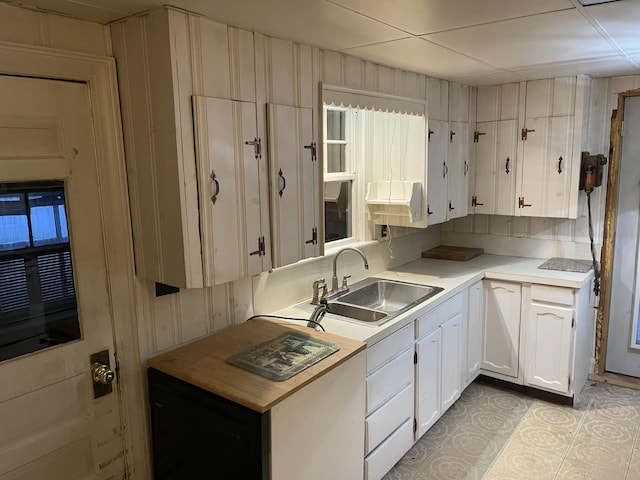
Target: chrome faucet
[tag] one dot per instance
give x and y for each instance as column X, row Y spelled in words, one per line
column 334, row 279
column 318, row 313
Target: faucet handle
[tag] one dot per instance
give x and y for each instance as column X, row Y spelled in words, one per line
column 344, row 281
column 317, row 285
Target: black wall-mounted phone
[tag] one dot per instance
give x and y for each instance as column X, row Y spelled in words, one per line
column 591, row 169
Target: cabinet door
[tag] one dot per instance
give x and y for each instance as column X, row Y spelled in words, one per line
column 501, row 328
column 457, row 177
column 450, row 375
column 292, row 171
column 228, row 191
column 471, row 367
column 549, row 346
column 505, row 167
column 428, row 375
column 438, row 138
column 546, row 167
column 485, row 168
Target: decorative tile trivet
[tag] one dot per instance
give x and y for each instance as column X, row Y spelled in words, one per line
column 284, row 356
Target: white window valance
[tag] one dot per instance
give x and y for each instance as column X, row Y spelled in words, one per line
column 365, row 100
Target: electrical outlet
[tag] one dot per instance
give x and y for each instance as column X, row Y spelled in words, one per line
column 383, row 231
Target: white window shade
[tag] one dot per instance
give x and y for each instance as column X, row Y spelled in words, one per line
column 360, row 99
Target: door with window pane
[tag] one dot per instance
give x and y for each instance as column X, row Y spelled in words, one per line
column 54, row 294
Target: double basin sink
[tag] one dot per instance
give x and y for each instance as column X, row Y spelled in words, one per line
column 375, row 301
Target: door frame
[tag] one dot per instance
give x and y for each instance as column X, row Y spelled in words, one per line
column 608, row 241
column 99, row 73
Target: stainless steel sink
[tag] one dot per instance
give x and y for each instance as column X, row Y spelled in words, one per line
column 375, row 301
column 389, row 296
column 356, row 313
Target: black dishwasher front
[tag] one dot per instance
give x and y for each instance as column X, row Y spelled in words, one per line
column 199, row 435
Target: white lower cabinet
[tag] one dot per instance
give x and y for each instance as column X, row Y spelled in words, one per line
column 438, row 360
column 390, row 402
column 540, row 336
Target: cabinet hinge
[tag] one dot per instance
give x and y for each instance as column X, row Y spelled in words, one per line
column 415, row 358
column 257, row 146
column 312, row 147
column 474, row 202
column 521, row 203
column 569, row 383
column 573, row 321
column 429, row 133
column 415, row 425
column 476, row 136
column 314, row 237
column 525, row 133
column 261, row 248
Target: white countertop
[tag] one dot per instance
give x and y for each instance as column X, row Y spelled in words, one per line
column 453, row 276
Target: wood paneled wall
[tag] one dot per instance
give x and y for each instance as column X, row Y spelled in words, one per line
column 31, row 27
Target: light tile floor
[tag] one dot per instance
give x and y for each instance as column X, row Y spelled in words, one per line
column 496, row 434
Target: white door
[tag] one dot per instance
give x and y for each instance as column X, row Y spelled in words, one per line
column 450, row 377
column 623, row 343
column 428, row 377
column 52, row 427
column 549, row 344
column 501, row 328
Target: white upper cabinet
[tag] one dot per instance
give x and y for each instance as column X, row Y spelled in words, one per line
column 293, row 172
column 495, row 148
column 551, row 141
column 458, row 152
column 528, row 143
column 448, row 151
column 228, row 156
column 165, row 57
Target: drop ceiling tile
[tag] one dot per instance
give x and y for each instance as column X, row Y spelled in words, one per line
column 426, row 16
column 540, row 40
column 620, row 21
column 421, row 56
column 596, row 69
column 97, row 11
column 496, row 78
column 311, row 22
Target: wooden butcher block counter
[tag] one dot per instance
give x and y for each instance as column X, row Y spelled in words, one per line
column 203, row 363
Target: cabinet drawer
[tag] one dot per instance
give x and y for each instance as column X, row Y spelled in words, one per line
column 391, row 378
column 433, row 319
column 383, row 351
column 380, row 461
column 381, row 423
column 549, row 294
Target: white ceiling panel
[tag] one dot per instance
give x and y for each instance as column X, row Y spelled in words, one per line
column 621, row 20
column 423, row 57
column 426, row 16
column 540, row 40
column 311, row 22
column 606, row 68
column 471, row 41
column 495, row 78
